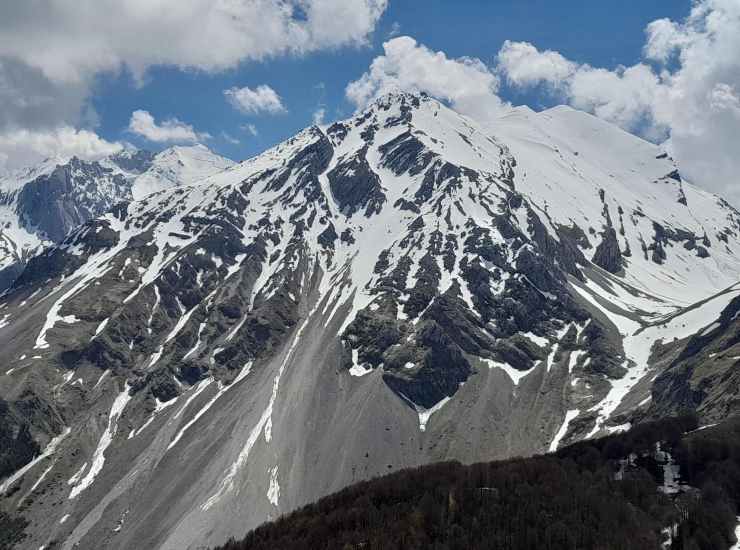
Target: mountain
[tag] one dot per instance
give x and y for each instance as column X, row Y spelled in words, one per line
column 178, row 165
column 41, row 204
column 400, row 288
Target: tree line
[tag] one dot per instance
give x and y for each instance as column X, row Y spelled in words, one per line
column 571, row 500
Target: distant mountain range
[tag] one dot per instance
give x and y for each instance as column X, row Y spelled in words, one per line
column 399, row 288
column 41, row 204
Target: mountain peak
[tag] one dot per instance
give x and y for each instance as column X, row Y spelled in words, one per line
column 179, row 165
column 430, row 282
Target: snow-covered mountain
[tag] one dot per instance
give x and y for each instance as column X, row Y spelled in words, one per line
column 178, row 165
column 39, row 205
column 398, row 288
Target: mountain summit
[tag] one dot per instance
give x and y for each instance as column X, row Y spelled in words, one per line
column 398, row 288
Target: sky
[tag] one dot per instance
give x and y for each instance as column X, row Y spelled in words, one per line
column 90, row 77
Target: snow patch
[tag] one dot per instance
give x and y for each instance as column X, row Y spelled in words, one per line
column 426, row 414
column 357, row 369
column 98, row 458
column 47, row 452
column 515, row 375
column 569, row 417
column 273, row 492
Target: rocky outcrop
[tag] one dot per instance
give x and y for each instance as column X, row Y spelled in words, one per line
column 607, row 255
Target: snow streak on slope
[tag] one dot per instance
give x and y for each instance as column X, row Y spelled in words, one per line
column 47, row 452
column 98, row 458
column 569, row 416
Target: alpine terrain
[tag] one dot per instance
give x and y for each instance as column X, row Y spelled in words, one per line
column 41, row 204
column 400, row 288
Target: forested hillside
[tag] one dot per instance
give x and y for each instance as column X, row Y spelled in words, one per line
column 616, row 492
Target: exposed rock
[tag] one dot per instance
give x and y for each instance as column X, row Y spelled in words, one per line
column 608, row 255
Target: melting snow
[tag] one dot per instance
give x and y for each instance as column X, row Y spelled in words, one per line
column 273, row 492
column 736, row 546
column 426, row 414
column 569, row 417
column 48, row 451
column 539, row 340
column 515, row 375
column 264, row 423
column 101, row 327
column 98, row 458
column 222, row 389
column 357, row 369
column 77, row 476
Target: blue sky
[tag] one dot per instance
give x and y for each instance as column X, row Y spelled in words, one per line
column 603, row 34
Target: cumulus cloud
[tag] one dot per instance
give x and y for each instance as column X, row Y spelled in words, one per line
column 69, row 41
column 623, row 96
column 172, row 130
column 52, row 51
column 319, row 115
column 686, row 90
column 23, row 147
column 261, row 99
column 466, row 82
column 524, row 65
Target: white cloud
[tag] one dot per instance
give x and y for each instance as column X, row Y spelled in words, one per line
column 688, row 89
column 52, row 51
column 623, row 96
column 230, row 139
column 395, row 30
column 664, row 37
column 319, row 115
column 22, row 148
column 70, row 41
column 142, row 123
column 251, row 128
column 524, row 65
column 466, row 82
column 261, row 99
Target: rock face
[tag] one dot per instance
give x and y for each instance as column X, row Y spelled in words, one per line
column 39, row 206
column 398, row 288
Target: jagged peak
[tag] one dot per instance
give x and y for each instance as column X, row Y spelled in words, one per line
column 399, row 96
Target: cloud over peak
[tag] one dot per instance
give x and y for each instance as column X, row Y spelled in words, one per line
column 172, row 130
column 24, row 147
column 262, row 99
column 687, row 89
column 52, row 51
column 466, row 82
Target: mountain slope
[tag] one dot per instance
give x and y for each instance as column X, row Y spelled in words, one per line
column 40, row 205
column 396, row 289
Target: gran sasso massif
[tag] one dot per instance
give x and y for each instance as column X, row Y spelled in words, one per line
column 396, row 289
